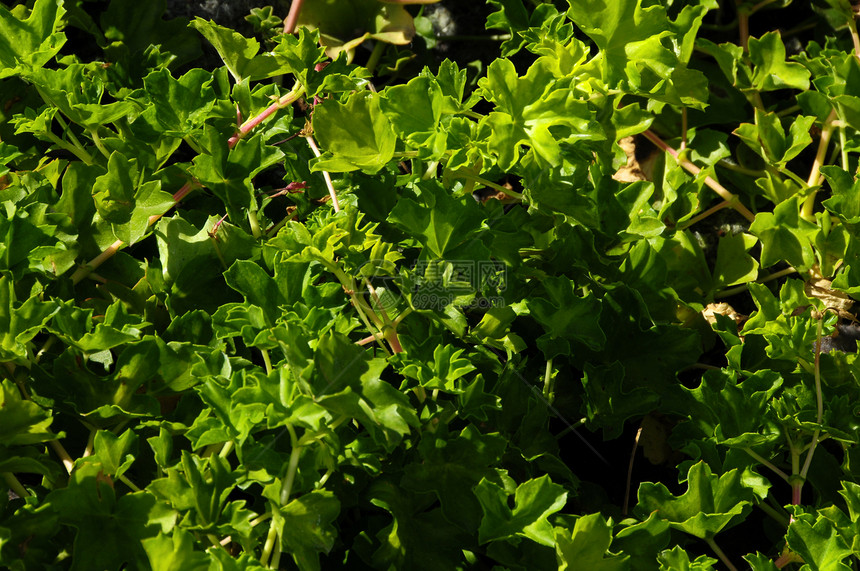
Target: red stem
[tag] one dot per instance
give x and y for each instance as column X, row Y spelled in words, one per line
column 293, row 16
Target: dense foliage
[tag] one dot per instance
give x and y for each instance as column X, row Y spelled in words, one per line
column 314, row 308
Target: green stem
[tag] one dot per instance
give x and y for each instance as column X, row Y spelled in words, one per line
column 287, row 487
column 761, row 460
column 474, row 38
column 780, row 518
column 475, row 178
column 254, row 224
column 743, row 287
column 547, row 380
column 375, row 56
column 737, row 168
column 69, row 133
column 815, row 173
column 128, row 483
column 226, row 449
column 716, row 549
column 84, row 156
column 99, row 145
column 271, row 538
column 267, row 361
column 819, row 397
column 15, row 485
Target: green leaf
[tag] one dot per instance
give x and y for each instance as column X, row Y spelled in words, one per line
column 527, row 108
column 134, row 28
column 22, row 421
column 180, row 105
column 770, row 70
column 355, row 135
column 710, row 503
column 228, row 173
column 818, row 542
column 28, row 44
column 451, row 466
column 632, row 54
column 238, row 52
column 20, row 323
column 566, row 315
column 845, row 201
column 442, row 223
column 767, row 137
column 734, row 265
column 414, row 110
column 677, row 559
column 307, row 530
column 299, row 54
column 586, row 546
column 785, row 236
column 114, row 453
column 174, row 552
column 534, row 501
column 109, row 529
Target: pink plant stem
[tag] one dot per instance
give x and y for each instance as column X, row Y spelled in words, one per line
column 293, row 16
column 108, row 253
column 249, row 125
column 694, row 170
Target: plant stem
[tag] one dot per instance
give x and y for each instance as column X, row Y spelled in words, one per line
column 547, row 379
column 694, row 170
column 626, row 504
column 743, row 26
column 775, row 515
column 325, row 174
column 389, row 329
column 296, row 451
column 293, row 16
column 85, row 270
column 375, row 56
column 246, row 127
column 683, row 128
column 737, row 168
column 128, row 483
column 254, row 224
column 815, row 172
column 705, row 214
column 266, row 360
column 716, row 548
column 852, row 27
column 819, row 415
column 71, row 134
column 99, row 145
column 271, row 538
column 67, row 461
column 15, row 485
column 91, row 441
column 475, row 178
column 732, row 291
column 84, row 156
column 226, row 449
column 474, row 38
column 761, row 460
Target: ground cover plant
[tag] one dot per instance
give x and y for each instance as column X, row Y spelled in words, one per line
column 586, row 304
